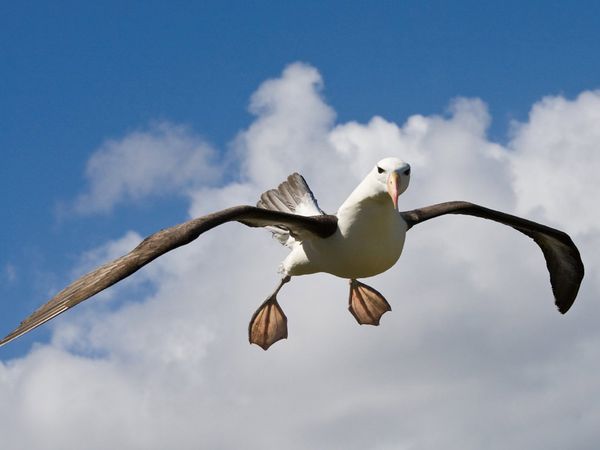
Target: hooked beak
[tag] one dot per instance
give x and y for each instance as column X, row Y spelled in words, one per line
column 393, row 187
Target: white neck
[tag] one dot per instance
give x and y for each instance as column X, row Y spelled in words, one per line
column 367, row 191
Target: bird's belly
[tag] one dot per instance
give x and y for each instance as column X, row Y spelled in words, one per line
column 356, row 252
column 365, row 257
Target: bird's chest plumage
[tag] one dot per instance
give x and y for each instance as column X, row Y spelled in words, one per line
column 368, row 242
column 374, row 237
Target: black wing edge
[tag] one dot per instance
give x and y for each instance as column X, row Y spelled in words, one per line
column 160, row 243
column 562, row 256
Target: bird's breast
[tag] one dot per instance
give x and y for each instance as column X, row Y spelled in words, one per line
column 369, row 241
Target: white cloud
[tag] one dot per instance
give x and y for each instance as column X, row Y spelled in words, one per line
column 472, row 356
column 556, row 164
column 163, row 159
column 290, row 129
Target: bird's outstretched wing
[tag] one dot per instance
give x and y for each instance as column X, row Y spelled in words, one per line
column 160, row 243
column 562, row 257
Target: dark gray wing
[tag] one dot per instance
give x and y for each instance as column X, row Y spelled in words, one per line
column 162, row 242
column 562, row 257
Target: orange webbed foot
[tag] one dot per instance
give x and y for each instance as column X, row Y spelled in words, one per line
column 268, row 324
column 366, row 304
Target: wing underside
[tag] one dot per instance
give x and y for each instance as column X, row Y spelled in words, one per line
column 162, row 242
column 562, row 256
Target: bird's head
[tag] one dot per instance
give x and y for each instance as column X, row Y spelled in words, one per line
column 391, row 176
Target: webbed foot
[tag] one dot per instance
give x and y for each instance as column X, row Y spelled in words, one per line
column 366, row 304
column 268, row 324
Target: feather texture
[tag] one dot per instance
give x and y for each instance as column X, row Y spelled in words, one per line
column 562, row 257
column 292, row 196
column 162, row 242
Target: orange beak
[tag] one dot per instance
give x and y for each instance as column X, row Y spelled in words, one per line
column 393, row 187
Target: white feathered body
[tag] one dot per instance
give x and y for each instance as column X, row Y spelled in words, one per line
column 369, row 239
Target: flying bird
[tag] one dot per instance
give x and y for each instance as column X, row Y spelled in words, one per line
column 364, row 238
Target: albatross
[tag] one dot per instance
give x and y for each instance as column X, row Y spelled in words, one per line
column 364, row 238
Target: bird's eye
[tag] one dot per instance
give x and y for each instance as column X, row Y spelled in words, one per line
column 379, row 169
column 407, row 171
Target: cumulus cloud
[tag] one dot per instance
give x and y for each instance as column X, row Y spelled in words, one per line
column 163, row 159
column 472, row 356
column 291, row 126
column 556, row 160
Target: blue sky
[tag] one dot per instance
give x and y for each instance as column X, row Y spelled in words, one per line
column 75, row 76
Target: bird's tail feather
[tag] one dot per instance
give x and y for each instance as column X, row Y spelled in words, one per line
column 292, row 196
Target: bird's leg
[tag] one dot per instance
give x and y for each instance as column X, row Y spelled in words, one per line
column 268, row 323
column 366, row 304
